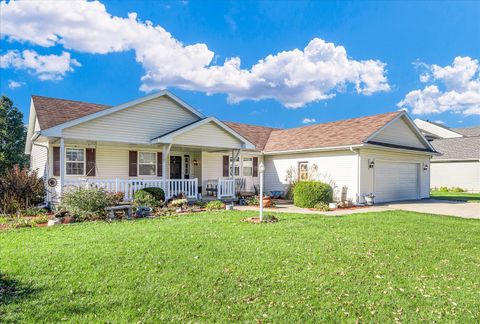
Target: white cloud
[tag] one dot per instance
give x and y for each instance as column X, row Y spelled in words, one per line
column 308, row 120
column 294, row 78
column 15, row 84
column 45, row 67
column 454, row 88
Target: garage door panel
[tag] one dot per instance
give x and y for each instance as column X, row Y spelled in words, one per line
column 396, row 181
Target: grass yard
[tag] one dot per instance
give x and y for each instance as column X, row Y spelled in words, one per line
column 211, row 267
column 459, row 196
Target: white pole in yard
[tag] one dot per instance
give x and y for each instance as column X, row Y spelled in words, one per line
column 261, row 169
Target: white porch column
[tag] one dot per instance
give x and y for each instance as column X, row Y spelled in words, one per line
column 62, row 165
column 165, row 160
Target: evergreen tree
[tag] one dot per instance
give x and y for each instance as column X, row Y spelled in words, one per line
column 12, row 136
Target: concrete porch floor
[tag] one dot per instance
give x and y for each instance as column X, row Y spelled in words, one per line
column 428, row 206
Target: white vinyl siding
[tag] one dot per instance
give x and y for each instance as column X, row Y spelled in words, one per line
column 339, row 167
column 137, row 124
column 399, row 133
column 38, row 159
column 210, row 135
column 465, row 175
column 367, row 175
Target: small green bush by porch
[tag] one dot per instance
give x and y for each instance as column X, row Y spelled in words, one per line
column 157, row 193
column 307, row 194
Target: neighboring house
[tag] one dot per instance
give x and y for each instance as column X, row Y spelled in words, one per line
column 159, row 140
column 459, row 162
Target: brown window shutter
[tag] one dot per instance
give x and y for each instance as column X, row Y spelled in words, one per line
column 90, row 162
column 159, row 164
column 132, row 163
column 255, row 166
column 56, row 161
column 226, row 161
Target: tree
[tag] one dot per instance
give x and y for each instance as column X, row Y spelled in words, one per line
column 12, row 136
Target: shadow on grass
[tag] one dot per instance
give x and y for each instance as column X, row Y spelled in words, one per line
column 12, row 290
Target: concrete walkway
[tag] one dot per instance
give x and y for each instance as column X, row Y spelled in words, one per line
column 428, row 206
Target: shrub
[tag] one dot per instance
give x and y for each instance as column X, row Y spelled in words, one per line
column 307, row 194
column 214, row 205
column 40, row 219
column 33, row 212
column 253, row 201
column 200, row 203
column 157, row 193
column 86, row 204
column 321, row 207
column 443, row 189
column 457, row 189
column 144, row 198
column 20, row 189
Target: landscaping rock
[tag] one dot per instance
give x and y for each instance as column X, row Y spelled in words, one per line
column 54, row 221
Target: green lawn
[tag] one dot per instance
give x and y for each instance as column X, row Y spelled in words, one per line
column 460, row 196
column 211, row 267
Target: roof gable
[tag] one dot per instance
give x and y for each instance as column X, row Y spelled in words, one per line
column 437, row 130
column 400, row 132
column 206, row 132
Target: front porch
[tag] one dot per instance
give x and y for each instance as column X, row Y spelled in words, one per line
column 196, row 172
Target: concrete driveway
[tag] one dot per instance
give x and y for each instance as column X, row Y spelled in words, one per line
column 428, row 206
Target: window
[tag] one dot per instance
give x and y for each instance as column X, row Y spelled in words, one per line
column 247, row 166
column 302, row 170
column 147, row 163
column 237, row 166
column 74, row 161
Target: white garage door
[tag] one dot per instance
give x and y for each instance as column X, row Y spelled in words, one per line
column 395, row 181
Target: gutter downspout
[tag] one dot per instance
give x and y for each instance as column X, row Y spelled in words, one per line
column 45, row 176
column 358, row 173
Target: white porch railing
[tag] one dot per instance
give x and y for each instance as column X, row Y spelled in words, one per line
column 226, row 188
column 171, row 187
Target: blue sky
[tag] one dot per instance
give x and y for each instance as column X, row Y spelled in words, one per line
column 403, row 40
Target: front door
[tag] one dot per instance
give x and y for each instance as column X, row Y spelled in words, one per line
column 175, row 167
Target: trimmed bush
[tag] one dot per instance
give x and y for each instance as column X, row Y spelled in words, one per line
column 307, row 194
column 157, row 193
column 86, row 204
column 144, row 198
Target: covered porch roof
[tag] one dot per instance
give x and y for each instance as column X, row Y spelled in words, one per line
column 208, row 132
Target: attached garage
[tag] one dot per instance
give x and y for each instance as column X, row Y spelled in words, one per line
column 396, row 181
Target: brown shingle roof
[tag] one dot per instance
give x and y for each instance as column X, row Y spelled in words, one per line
column 257, row 135
column 52, row 112
column 339, row 133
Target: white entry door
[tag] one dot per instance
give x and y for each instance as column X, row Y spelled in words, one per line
column 396, row 181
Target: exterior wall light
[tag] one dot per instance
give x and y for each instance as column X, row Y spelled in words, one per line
column 195, row 162
column 425, row 167
column 371, row 164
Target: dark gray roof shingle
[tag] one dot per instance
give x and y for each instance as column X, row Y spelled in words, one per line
column 468, row 131
column 461, row 148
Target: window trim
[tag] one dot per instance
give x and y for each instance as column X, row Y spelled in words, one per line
column 232, row 169
column 155, row 164
column 250, row 167
column 84, row 162
column 299, row 169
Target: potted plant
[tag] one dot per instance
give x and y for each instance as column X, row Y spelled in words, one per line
column 369, row 199
column 267, row 201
